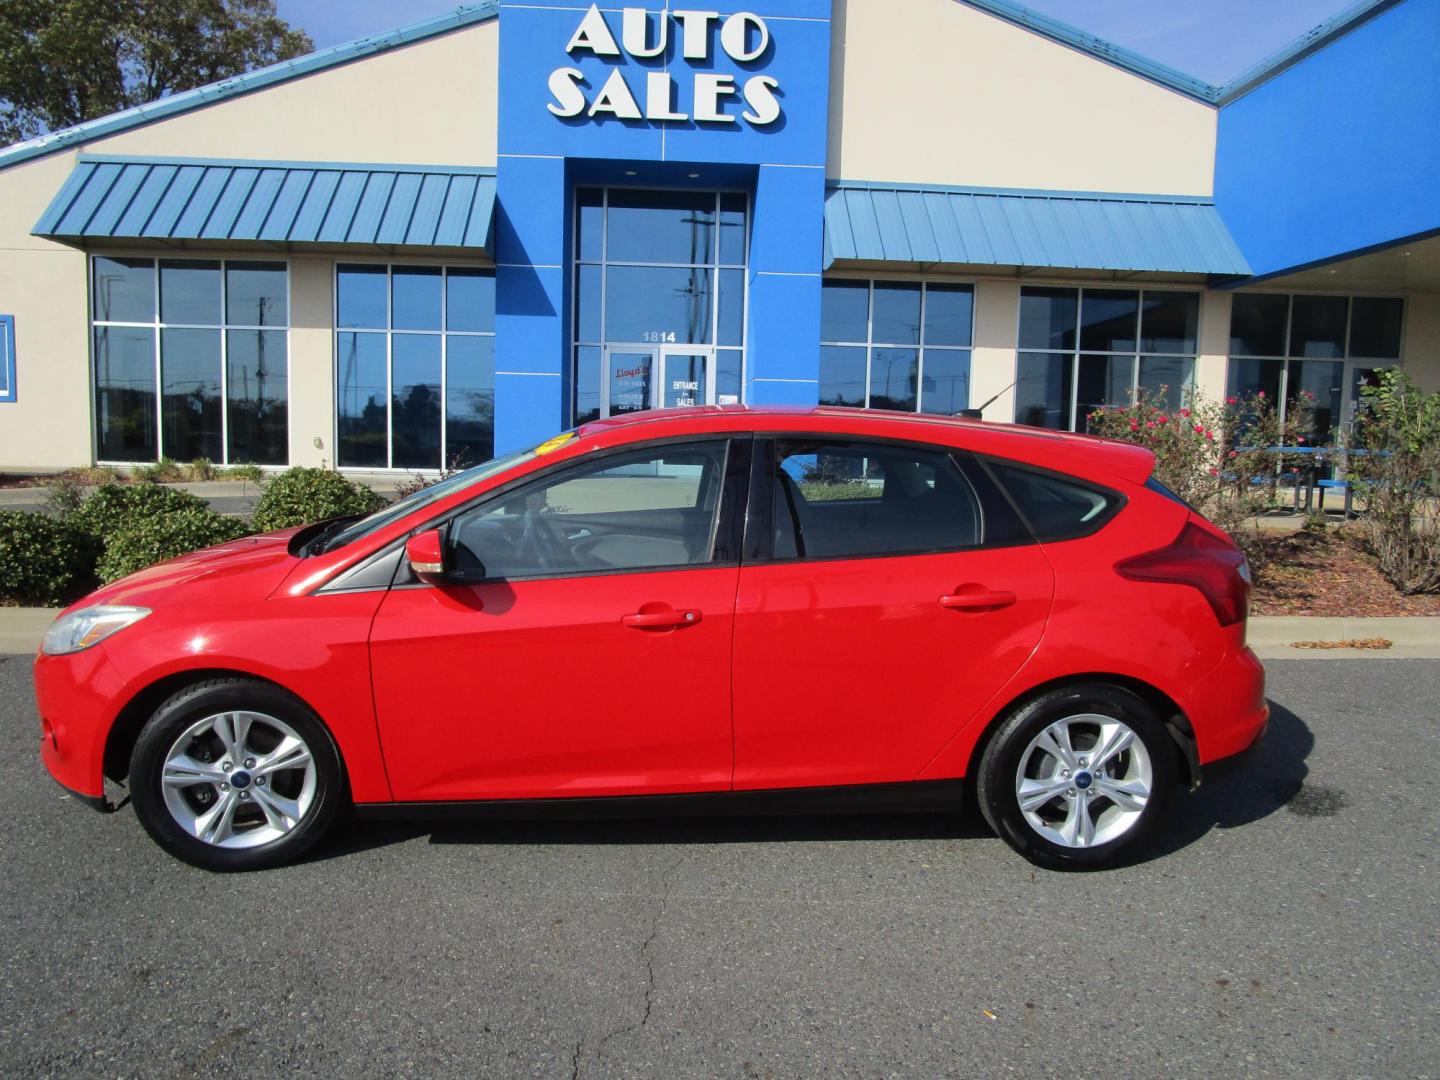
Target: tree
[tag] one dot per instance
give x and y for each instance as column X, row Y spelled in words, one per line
column 66, row 61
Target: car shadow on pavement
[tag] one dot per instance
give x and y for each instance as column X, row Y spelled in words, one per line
column 1267, row 782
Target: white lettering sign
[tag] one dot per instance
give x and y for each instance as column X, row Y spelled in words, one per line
column 744, row 37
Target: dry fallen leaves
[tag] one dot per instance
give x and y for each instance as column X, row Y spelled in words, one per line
column 1345, row 643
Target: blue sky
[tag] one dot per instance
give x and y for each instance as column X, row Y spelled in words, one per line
column 1211, row 39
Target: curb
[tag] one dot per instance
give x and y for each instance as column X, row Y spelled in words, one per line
column 1414, row 637
column 21, row 628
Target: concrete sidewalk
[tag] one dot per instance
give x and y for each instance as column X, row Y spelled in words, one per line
column 1272, row 637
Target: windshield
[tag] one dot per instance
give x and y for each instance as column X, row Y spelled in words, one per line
column 424, row 497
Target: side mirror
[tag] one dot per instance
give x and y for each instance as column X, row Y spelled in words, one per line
column 425, row 551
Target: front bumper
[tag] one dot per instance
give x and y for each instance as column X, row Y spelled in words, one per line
column 78, row 695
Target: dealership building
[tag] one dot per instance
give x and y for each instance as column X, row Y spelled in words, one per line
column 456, row 238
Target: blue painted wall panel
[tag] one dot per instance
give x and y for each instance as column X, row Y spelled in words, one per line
column 784, row 327
column 543, row 157
column 1340, row 152
column 530, row 410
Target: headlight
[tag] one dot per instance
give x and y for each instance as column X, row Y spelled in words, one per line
column 88, row 626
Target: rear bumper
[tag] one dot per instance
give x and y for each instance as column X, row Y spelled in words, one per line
column 1223, row 767
column 1227, row 708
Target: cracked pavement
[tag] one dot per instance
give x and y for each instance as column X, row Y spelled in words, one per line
column 1286, row 929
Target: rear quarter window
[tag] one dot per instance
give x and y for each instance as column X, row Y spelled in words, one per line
column 1056, row 507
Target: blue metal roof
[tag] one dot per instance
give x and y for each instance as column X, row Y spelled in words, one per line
column 1111, row 53
column 309, row 64
column 281, row 202
column 1002, row 227
column 1356, row 14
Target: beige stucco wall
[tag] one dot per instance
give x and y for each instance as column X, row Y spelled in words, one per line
column 431, row 103
column 1420, row 352
column 935, row 91
column 382, row 109
column 1214, row 344
column 42, row 284
column 992, row 362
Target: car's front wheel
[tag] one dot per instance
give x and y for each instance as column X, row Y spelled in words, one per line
column 1078, row 777
column 235, row 774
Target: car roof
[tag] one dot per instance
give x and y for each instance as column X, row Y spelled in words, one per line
column 1064, row 451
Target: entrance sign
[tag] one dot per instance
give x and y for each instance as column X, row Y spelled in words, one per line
column 743, row 37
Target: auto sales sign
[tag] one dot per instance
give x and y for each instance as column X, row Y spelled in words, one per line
column 682, row 93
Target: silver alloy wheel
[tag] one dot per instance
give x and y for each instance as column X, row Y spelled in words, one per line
column 1084, row 780
column 238, row 779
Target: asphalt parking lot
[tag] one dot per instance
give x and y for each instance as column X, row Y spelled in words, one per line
column 1288, row 928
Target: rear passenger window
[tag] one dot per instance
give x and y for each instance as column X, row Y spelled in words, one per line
column 851, row 500
column 1057, row 508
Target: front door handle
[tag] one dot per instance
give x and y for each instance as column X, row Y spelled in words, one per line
column 661, row 620
column 978, row 600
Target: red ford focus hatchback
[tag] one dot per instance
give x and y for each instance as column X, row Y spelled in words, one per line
column 703, row 610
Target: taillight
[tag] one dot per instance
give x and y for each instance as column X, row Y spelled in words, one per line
column 1204, row 561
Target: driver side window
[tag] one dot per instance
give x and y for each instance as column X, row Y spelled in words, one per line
column 646, row 510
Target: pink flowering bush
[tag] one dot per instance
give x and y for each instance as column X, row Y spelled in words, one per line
column 1211, row 452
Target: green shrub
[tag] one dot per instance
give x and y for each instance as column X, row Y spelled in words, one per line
column 164, row 471
column 113, row 506
column 202, row 468
column 248, row 472
column 43, row 562
column 1397, row 473
column 299, row 496
column 63, row 495
column 144, row 541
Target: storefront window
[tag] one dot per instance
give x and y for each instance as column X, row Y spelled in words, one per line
column 659, row 299
column 415, row 358
column 901, row 345
column 1326, row 347
column 190, row 360
column 1085, row 349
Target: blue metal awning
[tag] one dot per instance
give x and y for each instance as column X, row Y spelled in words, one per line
column 996, row 227
column 277, row 202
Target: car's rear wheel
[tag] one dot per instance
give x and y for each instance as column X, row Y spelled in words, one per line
column 1079, row 777
column 235, row 774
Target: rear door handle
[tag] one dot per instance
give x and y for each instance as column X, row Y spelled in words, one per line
column 661, row 620
column 980, row 600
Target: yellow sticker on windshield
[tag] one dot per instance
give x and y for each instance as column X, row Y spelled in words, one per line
column 555, row 443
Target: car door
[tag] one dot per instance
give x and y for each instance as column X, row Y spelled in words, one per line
column 888, row 591
column 580, row 645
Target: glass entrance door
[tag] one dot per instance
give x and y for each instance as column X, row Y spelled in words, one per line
column 648, row 377
column 687, row 377
column 1362, row 374
column 628, row 382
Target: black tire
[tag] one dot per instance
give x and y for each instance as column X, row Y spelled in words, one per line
column 1001, row 762
column 215, row 696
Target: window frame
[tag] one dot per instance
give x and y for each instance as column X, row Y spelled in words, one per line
column 159, row 326
column 7, row 360
column 1135, row 355
column 725, row 542
column 389, row 331
column 920, row 346
column 1347, row 359
column 759, row 540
